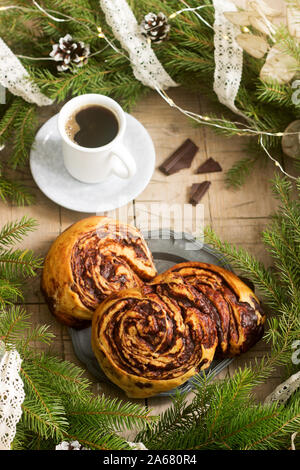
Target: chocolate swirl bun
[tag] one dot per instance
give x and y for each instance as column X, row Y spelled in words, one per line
column 229, row 302
column 89, row 261
column 153, row 338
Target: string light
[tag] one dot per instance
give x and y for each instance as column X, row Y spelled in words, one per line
column 206, row 120
column 100, row 32
column 48, row 14
column 110, row 43
column 193, row 10
column 197, row 117
column 34, row 58
column 276, row 162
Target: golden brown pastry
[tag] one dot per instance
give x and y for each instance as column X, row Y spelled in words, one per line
column 89, row 261
column 229, row 302
column 151, row 339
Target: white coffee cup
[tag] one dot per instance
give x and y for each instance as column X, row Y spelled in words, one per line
column 93, row 165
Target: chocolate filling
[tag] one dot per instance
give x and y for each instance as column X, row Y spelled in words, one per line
column 150, row 338
column 99, row 266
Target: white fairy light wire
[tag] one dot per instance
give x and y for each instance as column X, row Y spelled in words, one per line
column 206, row 120
column 193, row 10
column 63, row 20
column 276, row 162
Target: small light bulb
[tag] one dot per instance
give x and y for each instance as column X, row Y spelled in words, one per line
column 172, row 16
column 100, row 33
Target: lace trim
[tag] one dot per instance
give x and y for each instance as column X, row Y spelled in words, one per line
column 15, row 78
column 11, row 396
column 228, row 57
column 146, row 66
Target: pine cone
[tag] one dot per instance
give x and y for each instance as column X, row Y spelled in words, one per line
column 68, row 52
column 155, row 27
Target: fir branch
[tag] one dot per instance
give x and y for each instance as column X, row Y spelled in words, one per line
column 14, row 321
column 237, row 175
column 64, row 377
column 59, row 404
column 113, row 413
column 14, row 232
column 8, row 119
column 15, row 264
column 18, row 263
column 283, row 249
column 225, row 417
column 223, row 414
column 187, row 56
column 254, row 427
column 249, row 266
column 280, row 287
column 15, row 191
column 288, row 44
column 289, row 209
column 39, row 333
column 25, row 125
column 10, row 292
column 275, row 93
column 175, row 417
column 42, row 415
column 94, row 438
column 91, row 79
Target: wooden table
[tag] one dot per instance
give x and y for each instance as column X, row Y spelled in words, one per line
column 236, row 216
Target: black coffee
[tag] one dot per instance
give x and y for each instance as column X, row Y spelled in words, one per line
column 92, row 126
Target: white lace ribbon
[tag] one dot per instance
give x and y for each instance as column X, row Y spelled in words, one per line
column 16, row 79
column 11, row 396
column 146, row 66
column 228, row 57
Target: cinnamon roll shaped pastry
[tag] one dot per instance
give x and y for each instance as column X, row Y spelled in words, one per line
column 153, row 338
column 232, row 305
column 89, row 261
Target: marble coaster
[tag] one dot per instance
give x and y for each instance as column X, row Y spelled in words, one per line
column 51, row 176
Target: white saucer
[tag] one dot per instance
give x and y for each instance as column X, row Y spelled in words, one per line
column 49, row 173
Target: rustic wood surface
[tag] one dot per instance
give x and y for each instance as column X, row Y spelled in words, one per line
column 236, row 216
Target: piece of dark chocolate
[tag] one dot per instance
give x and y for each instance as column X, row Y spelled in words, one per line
column 180, row 159
column 209, row 166
column 197, row 191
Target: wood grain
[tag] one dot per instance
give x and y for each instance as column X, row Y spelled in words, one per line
column 236, row 216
